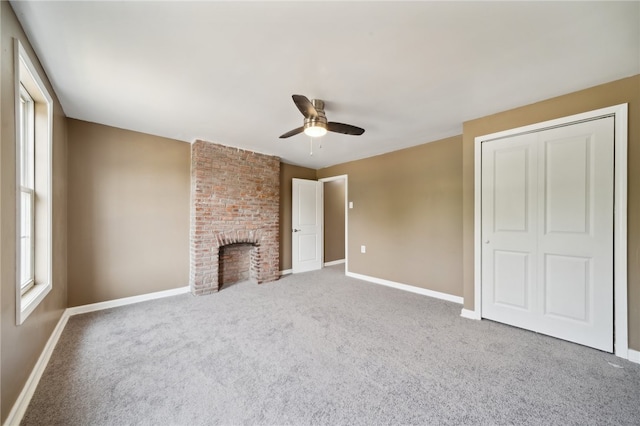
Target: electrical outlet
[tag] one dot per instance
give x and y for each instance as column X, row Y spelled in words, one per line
column 363, row 249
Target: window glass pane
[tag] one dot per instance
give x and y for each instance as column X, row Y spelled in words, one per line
column 24, row 265
column 22, row 140
column 27, row 142
column 26, row 238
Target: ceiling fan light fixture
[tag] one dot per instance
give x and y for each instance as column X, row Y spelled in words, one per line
column 316, row 130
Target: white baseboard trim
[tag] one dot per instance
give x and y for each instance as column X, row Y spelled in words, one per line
column 286, row 272
column 334, row 262
column 469, row 314
column 126, row 301
column 21, row 404
column 406, row 287
column 634, row 356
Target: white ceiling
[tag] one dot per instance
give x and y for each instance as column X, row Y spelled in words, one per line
column 408, row 73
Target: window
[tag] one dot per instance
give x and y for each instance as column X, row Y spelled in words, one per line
column 34, row 119
column 26, row 152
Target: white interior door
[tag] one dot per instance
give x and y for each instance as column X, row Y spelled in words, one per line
column 547, row 232
column 509, row 230
column 306, row 221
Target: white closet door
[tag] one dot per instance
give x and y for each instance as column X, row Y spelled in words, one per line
column 575, row 217
column 547, row 225
column 509, row 230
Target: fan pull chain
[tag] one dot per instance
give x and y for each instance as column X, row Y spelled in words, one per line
column 311, row 145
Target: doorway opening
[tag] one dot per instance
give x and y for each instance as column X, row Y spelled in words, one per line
column 335, row 211
column 319, row 223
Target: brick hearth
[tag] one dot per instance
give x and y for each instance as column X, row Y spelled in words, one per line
column 235, row 197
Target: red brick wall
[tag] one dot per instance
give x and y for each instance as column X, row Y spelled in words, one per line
column 235, row 197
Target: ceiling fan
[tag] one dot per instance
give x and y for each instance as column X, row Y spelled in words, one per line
column 315, row 121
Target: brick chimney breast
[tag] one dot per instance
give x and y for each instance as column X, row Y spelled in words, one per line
column 235, row 197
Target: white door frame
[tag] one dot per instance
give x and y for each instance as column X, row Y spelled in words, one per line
column 346, row 216
column 619, row 112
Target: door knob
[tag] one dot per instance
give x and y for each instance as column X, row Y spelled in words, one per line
column 486, row 241
column 297, row 230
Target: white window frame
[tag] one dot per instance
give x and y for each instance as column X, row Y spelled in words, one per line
column 30, row 294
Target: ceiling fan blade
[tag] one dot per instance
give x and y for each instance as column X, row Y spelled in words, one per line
column 346, row 129
column 292, row 132
column 305, row 106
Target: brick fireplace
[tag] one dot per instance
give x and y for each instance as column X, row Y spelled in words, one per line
column 235, row 196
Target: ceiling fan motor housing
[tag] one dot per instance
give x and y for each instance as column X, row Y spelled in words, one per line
column 318, row 121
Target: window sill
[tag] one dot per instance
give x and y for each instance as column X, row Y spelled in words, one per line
column 30, row 301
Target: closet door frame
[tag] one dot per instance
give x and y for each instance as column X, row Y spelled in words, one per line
column 620, row 113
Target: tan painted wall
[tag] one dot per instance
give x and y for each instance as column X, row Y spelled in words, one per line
column 614, row 93
column 407, row 211
column 22, row 345
column 334, row 220
column 128, row 213
column 288, row 172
